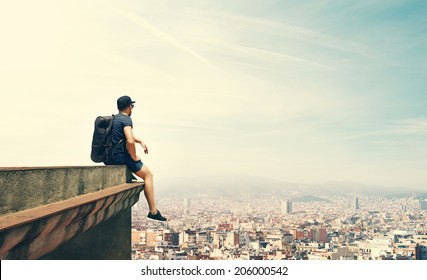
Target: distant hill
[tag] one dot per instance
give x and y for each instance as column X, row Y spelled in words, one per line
column 337, row 187
column 225, row 185
column 239, row 186
column 309, row 198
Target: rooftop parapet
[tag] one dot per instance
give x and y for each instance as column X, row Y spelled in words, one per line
column 64, row 212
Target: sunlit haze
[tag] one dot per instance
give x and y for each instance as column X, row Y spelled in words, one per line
column 300, row 91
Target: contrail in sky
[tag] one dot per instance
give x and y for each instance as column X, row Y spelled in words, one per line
column 157, row 32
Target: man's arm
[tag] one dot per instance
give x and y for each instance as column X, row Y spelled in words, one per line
column 130, row 143
column 144, row 146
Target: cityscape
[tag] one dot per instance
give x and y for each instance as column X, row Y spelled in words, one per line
column 275, row 227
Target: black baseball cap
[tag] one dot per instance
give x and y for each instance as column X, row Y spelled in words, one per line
column 124, row 101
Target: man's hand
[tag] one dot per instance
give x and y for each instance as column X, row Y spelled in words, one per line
column 144, row 146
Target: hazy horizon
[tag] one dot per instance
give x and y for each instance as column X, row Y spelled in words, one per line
column 235, row 185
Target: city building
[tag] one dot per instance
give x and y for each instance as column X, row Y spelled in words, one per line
column 286, row 207
column 356, row 203
column 171, row 238
column 316, row 230
column 423, row 204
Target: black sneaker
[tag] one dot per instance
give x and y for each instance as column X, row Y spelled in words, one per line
column 156, row 216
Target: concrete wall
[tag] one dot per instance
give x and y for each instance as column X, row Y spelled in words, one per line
column 25, row 188
column 66, row 212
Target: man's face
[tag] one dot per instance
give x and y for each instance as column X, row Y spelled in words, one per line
column 130, row 110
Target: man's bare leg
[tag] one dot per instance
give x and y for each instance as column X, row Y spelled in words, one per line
column 147, row 176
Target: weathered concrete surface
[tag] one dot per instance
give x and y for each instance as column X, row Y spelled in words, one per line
column 25, row 188
column 110, row 240
column 62, row 229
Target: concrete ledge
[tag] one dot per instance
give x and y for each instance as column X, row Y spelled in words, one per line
column 32, row 233
column 66, row 212
column 28, row 187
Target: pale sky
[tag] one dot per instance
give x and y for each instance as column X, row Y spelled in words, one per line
column 300, row 91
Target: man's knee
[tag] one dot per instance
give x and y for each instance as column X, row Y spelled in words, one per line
column 145, row 173
column 149, row 174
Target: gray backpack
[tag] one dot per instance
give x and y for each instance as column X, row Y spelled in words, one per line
column 101, row 140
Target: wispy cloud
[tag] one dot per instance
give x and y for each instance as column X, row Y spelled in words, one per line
column 416, row 126
column 302, row 34
column 143, row 23
column 269, row 56
column 283, row 29
column 228, row 42
column 132, row 66
column 374, row 5
column 402, row 128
